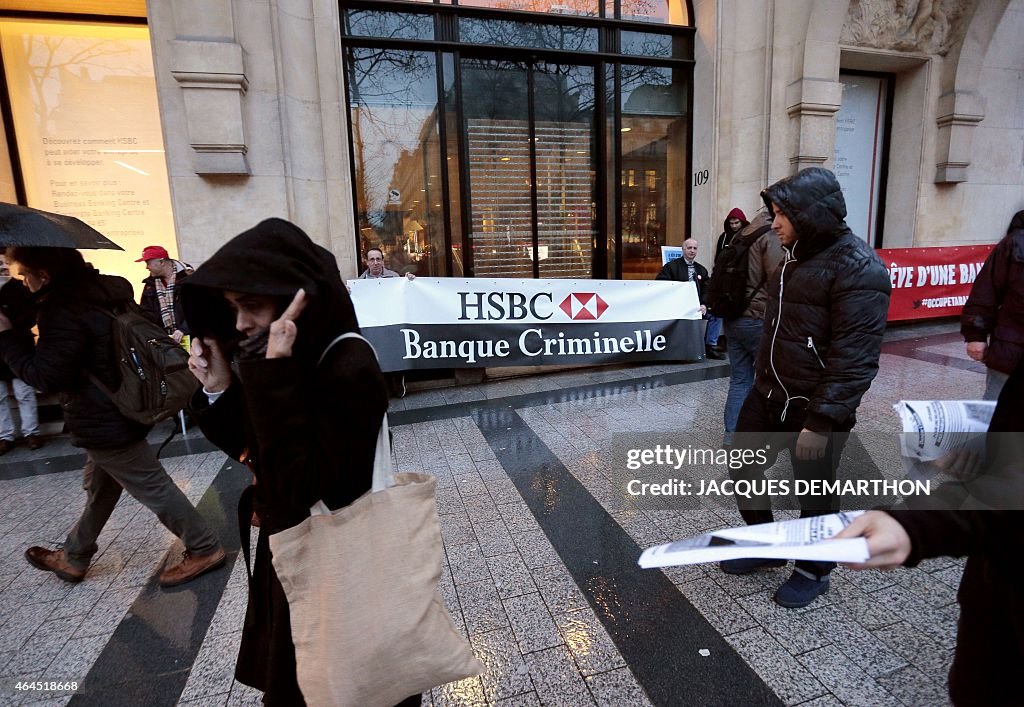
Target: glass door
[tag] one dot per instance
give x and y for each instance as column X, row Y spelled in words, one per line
column 529, row 140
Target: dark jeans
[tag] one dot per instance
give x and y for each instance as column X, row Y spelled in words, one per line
column 713, row 331
column 743, row 336
column 760, row 426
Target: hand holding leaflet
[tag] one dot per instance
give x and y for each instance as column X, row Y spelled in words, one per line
column 800, row 539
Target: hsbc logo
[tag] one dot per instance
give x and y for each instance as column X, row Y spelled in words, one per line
column 516, row 306
column 583, row 306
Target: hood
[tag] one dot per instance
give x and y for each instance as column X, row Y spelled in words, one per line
column 274, row 258
column 813, row 201
column 761, row 219
column 1016, row 233
column 735, row 213
column 1017, row 222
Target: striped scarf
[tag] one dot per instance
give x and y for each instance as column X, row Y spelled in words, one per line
column 165, row 296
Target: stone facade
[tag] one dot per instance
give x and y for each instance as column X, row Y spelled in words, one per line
column 253, row 109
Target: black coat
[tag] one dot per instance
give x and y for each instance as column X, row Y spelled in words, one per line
column 74, row 340
column 149, row 301
column 307, row 431
column 18, row 305
column 827, row 306
column 995, row 310
column 677, row 271
column 990, row 641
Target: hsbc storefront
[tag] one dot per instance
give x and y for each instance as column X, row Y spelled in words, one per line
column 458, row 323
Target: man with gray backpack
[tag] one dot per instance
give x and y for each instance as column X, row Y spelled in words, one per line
column 738, row 294
column 88, row 353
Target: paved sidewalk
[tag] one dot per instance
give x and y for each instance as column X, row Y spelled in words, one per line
column 541, row 545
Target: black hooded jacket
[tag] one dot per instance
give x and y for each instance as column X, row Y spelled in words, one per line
column 306, row 428
column 995, row 310
column 827, row 306
column 309, row 429
column 75, row 340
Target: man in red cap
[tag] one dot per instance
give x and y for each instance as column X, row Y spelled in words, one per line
column 159, row 301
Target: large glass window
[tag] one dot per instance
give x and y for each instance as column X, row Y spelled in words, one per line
column 530, row 133
column 87, row 131
column 497, row 129
column 397, row 149
column 539, row 159
column 653, row 178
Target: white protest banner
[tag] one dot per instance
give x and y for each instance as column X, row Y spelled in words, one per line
column 471, row 323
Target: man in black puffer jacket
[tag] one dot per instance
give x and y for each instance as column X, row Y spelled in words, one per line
column 819, row 353
column 74, row 304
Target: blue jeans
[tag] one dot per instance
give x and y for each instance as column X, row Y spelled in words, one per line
column 714, row 330
column 743, row 336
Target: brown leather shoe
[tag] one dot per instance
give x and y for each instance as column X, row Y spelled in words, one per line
column 6, row 445
column 191, row 566
column 54, row 561
column 34, row 442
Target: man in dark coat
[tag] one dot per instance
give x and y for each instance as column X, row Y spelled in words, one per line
column 824, row 322
column 990, row 636
column 743, row 334
column 17, row 303
column 75, row 304
column 160, row 301
column 992, row 320
column 735, row 222
column 687, row 269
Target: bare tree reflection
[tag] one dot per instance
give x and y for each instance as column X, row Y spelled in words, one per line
column 49, row 58
column 392, row 93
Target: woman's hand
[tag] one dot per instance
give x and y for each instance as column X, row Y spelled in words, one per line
column 209, row 365
column 283, row 330
column 5, row 323
column 888, row 542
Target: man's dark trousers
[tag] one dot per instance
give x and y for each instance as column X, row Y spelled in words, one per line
column 760, row 426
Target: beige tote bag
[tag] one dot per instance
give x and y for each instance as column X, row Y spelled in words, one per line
column 369, row 625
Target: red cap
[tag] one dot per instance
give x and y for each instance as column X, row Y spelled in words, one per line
column 152, row 252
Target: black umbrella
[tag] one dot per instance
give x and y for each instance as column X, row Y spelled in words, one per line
column 23, row 226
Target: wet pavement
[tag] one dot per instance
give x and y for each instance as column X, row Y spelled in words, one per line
column 540, row 574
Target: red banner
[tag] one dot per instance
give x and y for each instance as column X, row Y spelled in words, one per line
column 931, row 282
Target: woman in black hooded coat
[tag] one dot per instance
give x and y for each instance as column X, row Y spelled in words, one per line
column 306, row 428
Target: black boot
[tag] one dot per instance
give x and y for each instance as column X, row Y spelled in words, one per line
column 712, row 353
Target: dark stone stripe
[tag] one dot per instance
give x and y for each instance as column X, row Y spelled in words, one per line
column 70, row 462
column 148, row 659
column 657, row 631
